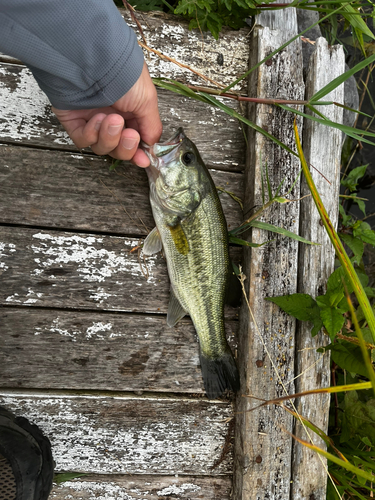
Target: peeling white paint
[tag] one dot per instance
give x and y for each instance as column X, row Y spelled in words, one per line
column 99, row 491
column 5, row 250
column 95, row 262
column 96, row 329
column 12, row 298
column 86, row 435
column 26, row 109
column 176, row 489
column 56, row 327
column 99, row 295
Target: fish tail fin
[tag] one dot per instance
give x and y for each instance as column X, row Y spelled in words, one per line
column 219, row 374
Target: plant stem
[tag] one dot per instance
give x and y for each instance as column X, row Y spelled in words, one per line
column 339, row 248
column 259, row 212
column 237, row 97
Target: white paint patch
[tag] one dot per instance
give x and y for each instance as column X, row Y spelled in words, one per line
column 57, row 327
column 99, row 295
column 87, row 436
column 6, row 249
column 94, row 263
column 175, row 489
column 96, row 329
column 26, row 109
column 99, row 491
column 78, row 157
column 12, row 298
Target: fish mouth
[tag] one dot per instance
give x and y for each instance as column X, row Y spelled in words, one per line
column 161, row 153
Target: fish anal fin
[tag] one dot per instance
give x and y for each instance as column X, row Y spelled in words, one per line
column 179, row 239
column 175, row 310
column 152, row 243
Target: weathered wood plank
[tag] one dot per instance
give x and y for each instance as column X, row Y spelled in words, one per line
column 223, row 60
column 74, row 191
column 93, row 351
column 284, row 20
column 126, row 435
column 116, row 487
column 322, row 147
column 263, row 446
column 80, row 271
column 26, row 118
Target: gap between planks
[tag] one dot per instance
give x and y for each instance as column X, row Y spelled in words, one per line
column 121, row 395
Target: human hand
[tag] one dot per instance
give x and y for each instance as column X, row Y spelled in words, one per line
column 116, row 130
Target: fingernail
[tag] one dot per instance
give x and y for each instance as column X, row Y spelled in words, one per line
column 128, row 143
column 97, row 125
column 114, row 129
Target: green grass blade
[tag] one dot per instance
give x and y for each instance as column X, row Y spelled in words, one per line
column 356, row 21
column 279, row 230
column 238, row 241
column 362, row 343
column 350, row 131
column 231, row 112
column 345, row 465
column 341, row 79
column 339, row 248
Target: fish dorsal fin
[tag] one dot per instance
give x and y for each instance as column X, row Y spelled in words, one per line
column 152, row 243
column 175, row 310
column 179, row 239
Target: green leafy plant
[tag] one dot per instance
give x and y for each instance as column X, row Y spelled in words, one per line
column 212, row 15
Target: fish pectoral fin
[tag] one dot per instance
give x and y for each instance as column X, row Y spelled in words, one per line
column 152, row 243
column 179, row 239
column 175, row 310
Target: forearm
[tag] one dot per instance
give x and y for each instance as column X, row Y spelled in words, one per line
column 81, row 52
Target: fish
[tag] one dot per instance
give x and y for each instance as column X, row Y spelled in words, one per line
column 192, row 231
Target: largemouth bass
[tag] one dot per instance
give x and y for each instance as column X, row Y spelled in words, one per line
column 191, row 229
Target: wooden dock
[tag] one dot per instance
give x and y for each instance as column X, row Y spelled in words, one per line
column 85, row 351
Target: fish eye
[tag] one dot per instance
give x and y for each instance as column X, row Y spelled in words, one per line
column 188, row 158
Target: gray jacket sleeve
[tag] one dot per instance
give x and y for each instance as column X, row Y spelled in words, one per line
column 81, row 52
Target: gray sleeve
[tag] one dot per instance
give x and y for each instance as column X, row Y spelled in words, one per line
column 81, row 52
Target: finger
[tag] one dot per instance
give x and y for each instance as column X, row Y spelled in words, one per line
column 88, row 134
column 83, row 130
column 141, row 159
column 127, row 146
column 109, row 134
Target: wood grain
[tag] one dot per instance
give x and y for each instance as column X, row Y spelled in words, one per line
column 263, row 445
column 322, row 147
column 283, row 20
column 78, row 192
column 144, row 487
column 80, row 271
column 93, row 351
column 129, row 435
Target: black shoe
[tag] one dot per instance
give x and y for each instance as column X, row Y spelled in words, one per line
column 26, row 464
